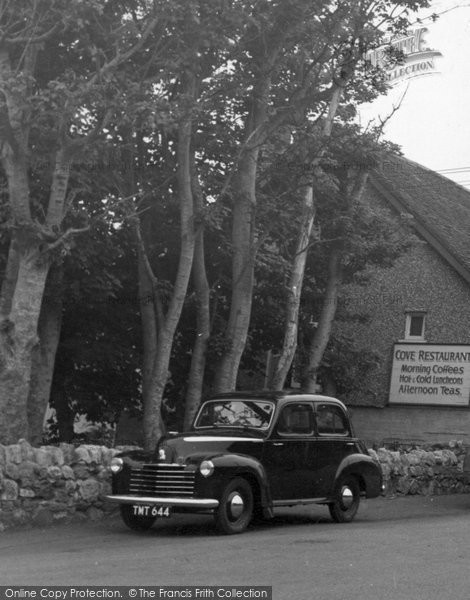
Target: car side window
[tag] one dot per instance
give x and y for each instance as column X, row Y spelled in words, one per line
column 331, row 420
column 296, row 419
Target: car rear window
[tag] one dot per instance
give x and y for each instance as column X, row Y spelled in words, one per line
column 331, row 420
column 296, row 419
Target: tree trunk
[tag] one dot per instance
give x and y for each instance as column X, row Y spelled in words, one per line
column 354, row 191
column 242, row 293
column 10, row 277
column 289, row 346
column 49, row 326
column 153, row 424
column 149, row 325
column 322, row 334
column 22, row 297
column 198, row 358
column 18, row 339
column 243, row 239
column 294, row 292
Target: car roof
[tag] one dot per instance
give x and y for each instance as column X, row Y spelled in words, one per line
column 278, row 397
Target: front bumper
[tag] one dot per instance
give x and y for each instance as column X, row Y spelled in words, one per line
column 180, row 502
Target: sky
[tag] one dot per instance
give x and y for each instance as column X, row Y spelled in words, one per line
column 432, row 124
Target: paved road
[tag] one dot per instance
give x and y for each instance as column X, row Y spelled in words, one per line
column 402, row 549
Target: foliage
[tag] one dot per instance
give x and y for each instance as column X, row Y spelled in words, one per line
column 98, row 363
column 347, row 366
column 109, row 85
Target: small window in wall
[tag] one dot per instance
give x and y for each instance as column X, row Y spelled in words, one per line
column 415, row 326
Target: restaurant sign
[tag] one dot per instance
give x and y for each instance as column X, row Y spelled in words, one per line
column 418, row 58
column 430, row 374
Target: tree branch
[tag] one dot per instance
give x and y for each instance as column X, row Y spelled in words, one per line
column 70, row 232
column 32, row 39
column 120, row 58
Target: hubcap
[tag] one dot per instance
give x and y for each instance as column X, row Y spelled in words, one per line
column 236, row 505
column 347, row 497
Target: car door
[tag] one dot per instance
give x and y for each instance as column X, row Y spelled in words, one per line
column 287, row 453
column 333, row 443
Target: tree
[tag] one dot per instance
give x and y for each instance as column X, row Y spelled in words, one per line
column 355, row 233
column 352, row 190
column 57, row 65
column 202, row 298
column 300, row 59
column 197, row 97
column 264, row 83
column 355, row 80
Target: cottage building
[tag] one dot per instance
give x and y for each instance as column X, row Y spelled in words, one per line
column 414, row 316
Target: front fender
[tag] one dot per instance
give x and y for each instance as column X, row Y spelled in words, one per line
column 366, row 470
column 228, row 466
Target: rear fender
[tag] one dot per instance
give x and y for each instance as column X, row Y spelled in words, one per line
column 366, row 470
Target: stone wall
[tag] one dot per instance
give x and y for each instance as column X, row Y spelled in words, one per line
column 424, row 470
column 53, row 484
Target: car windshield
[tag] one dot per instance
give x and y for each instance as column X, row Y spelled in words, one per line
column 235, row 413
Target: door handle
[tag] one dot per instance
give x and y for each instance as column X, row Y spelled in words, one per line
column 278, row 443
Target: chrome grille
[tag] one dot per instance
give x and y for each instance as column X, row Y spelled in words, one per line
column 162, row 480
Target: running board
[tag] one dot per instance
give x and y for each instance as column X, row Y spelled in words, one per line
column 293, row 502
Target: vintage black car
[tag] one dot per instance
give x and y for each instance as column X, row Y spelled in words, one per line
column 245, row 455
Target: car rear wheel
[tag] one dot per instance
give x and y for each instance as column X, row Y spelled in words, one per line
column 347, row 499
column 135, row 522
column 235, row 509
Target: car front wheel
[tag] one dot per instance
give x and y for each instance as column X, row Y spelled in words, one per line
column 235, row 509
column 347, row 499
column 135, row 522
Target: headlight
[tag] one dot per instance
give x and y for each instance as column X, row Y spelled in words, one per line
column 206, row 468
column 116, row 464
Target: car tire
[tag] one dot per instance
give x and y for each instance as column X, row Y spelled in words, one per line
column 346, row 504
column 235, row 509
column 135, row 522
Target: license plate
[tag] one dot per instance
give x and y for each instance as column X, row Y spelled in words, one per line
column 147, row 510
